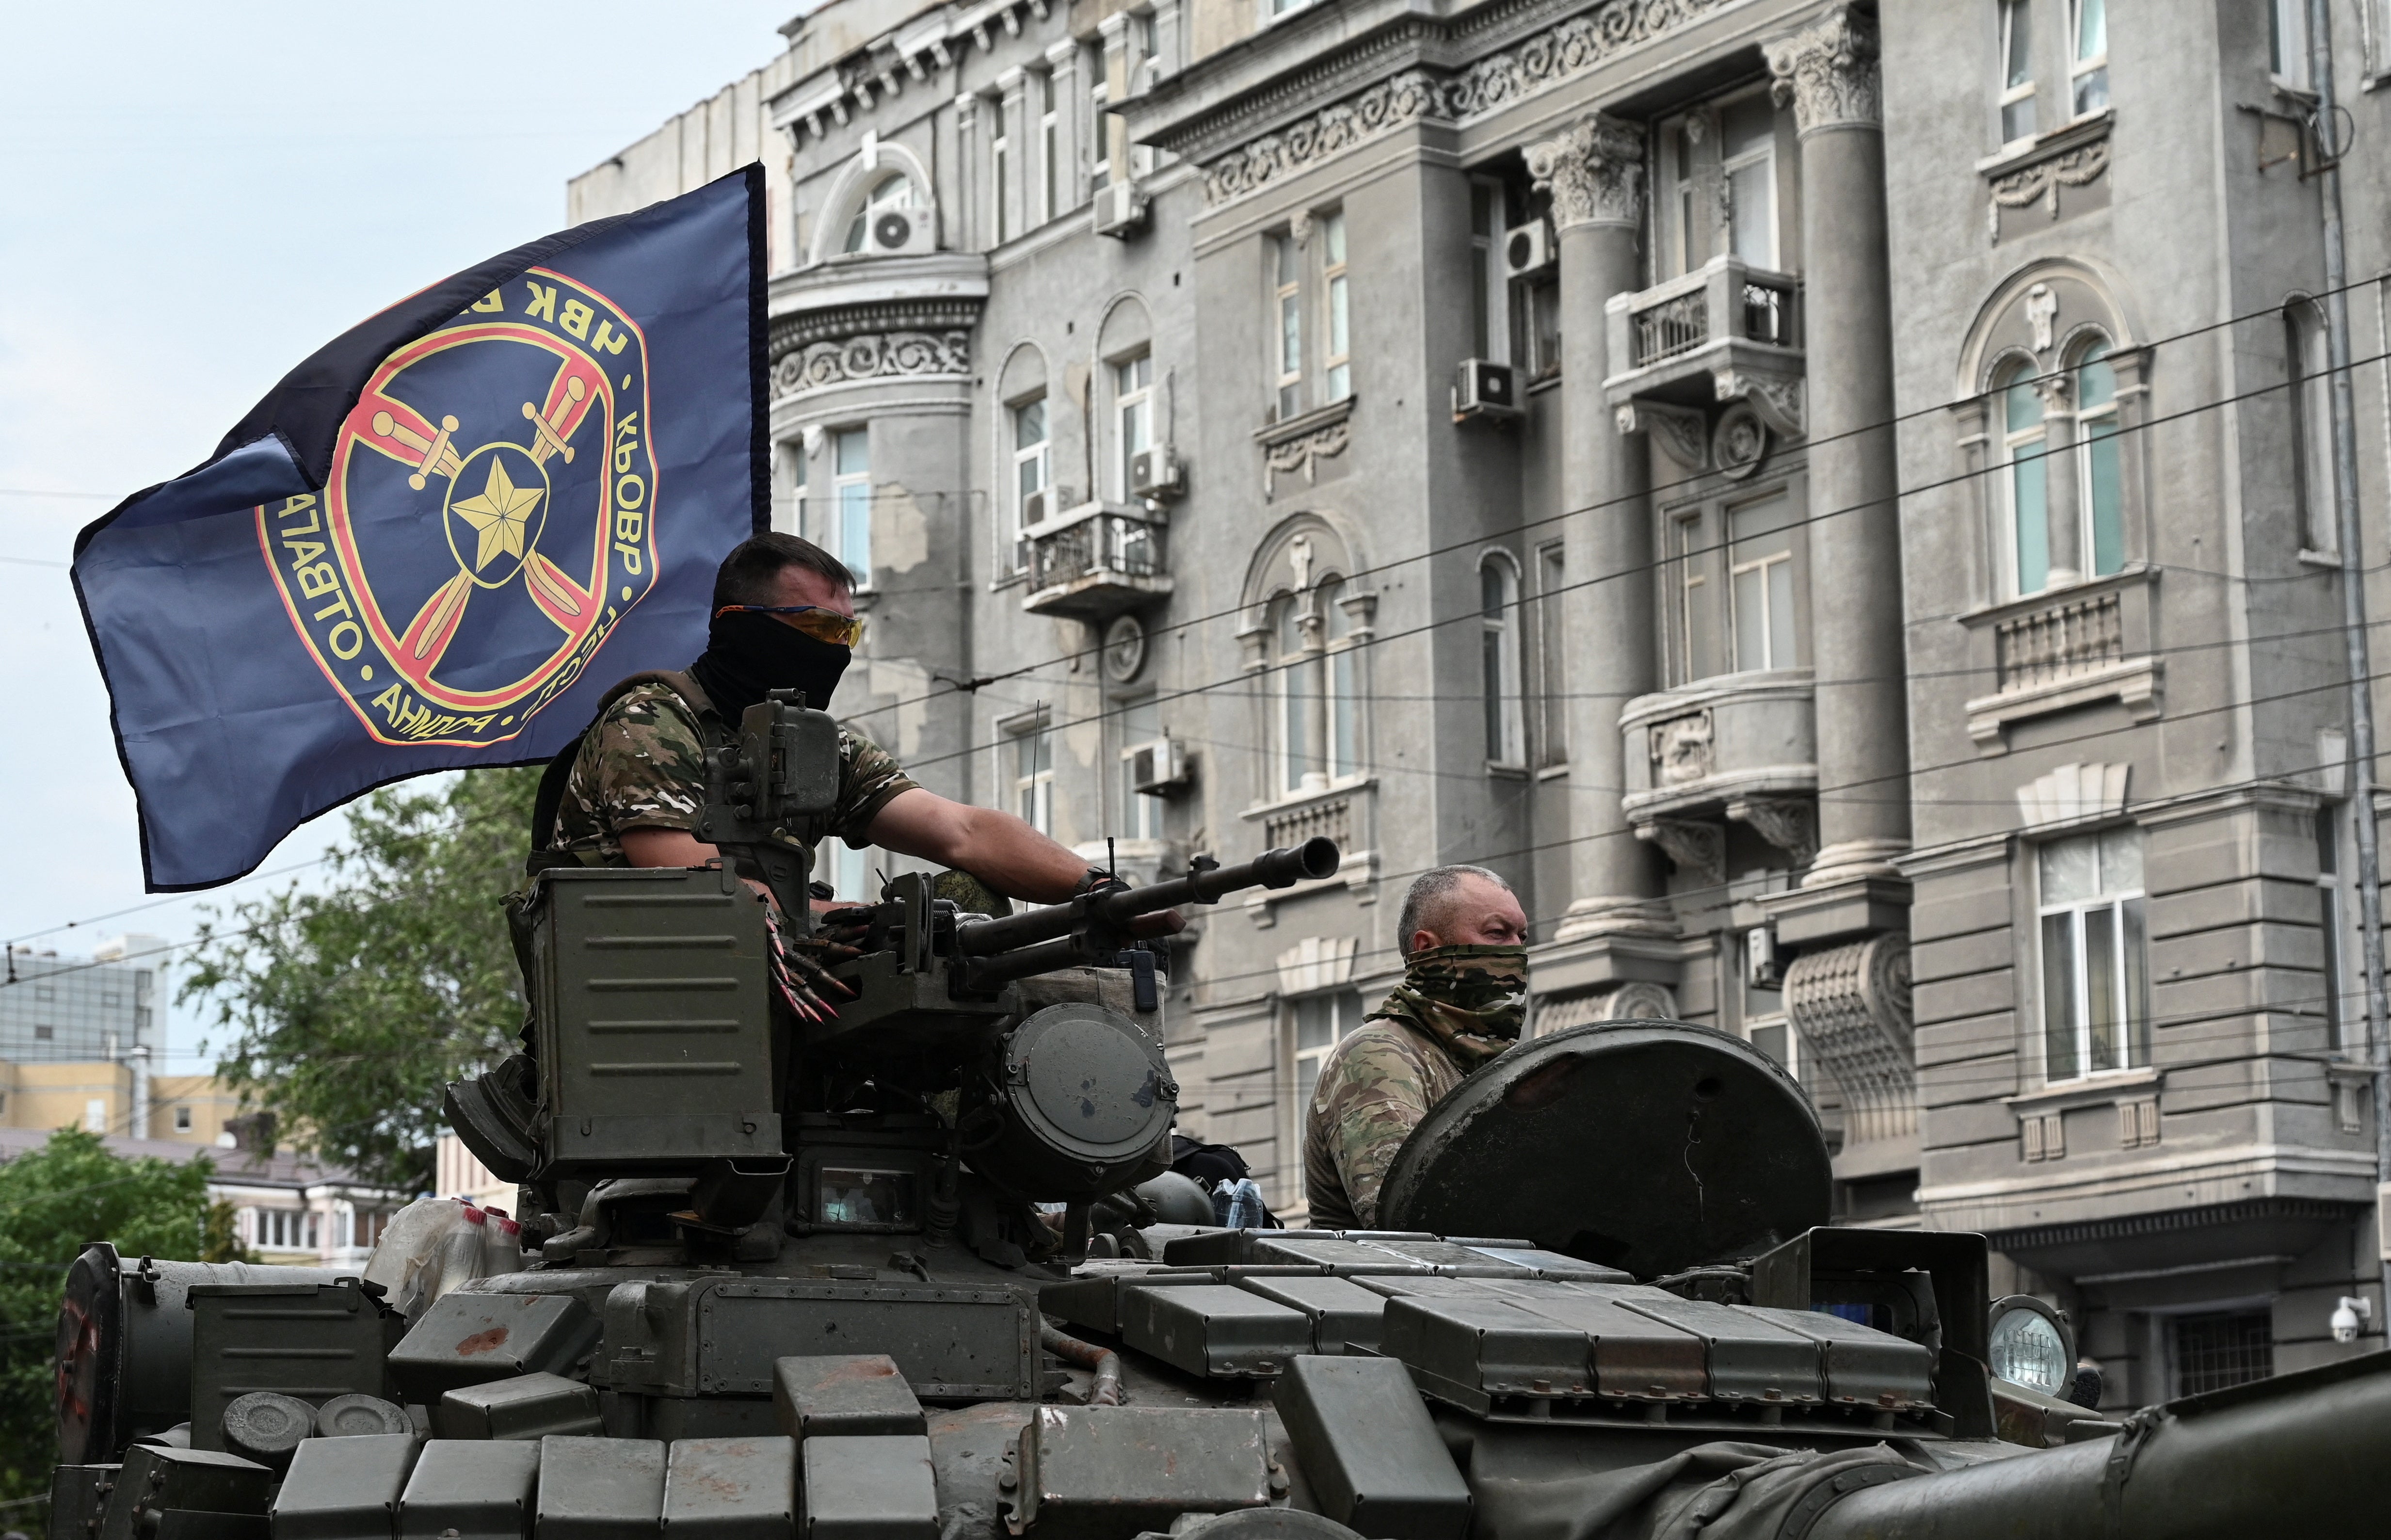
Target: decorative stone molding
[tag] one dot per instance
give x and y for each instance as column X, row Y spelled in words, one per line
column 1682, row 430
column 1740, row 442
column 2073, row 792
column 1776, row 398
column 1680, row 749
column 1790, row 823
column 1850, row 1004
column 1300, row 443
column 1637, row 1000
column 872, row 355
column 1499, row 80
column 1827, row 70
column 1698, row 849
column 2077, row 168
column 1595, row 169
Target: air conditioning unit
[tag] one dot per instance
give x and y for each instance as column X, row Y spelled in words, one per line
column 899, row 232
column 1527, row 249
column 1121, row 208
column 1157, row 767
column 1761, row 968
column 1033, row 508
column 1484, row 388
column 1156, row 474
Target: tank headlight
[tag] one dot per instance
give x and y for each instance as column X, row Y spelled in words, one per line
column 2031, row 1345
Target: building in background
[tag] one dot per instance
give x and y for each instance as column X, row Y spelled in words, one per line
column 1832, row 504
column 57, row 1009
column 456, row 1173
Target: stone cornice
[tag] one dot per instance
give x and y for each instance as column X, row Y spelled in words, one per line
column 804, row 329
column 1408, row 68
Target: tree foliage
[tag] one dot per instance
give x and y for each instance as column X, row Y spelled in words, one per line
column 53, row 1203
column 349, row 1008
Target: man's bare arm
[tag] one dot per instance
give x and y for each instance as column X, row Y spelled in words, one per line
column 997, row 848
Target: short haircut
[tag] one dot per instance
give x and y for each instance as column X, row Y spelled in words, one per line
column 1431, row 894
column 748, row 575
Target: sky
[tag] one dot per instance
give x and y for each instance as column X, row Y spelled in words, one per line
column 192, row 200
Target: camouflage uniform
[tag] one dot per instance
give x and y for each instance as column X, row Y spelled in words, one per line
column 642, row 766
column 1457, row 1008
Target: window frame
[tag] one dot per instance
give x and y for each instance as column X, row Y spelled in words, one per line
column 2307, row 369
column 1285, row 277
column 2087, row 73
column 858, row 239
column 1764, row 156
column 2287, row 44
column 1490, row 291
column 1131, row 402
column 2012, row 91
column 1296, row 696
column 2024, row 452
column 999, row 154
column 184, row 1121
column 2133, row 1016
column 1030, row 783
column 2345, row 1026
column 1552, row 655
column 1100, row 135
column 1500, row 662
column 1049, row 159
column 1336, row 329
column 1764, row 565
column 850, row 503
column 2097, row 429
column 1034, row 459
column 1339, row 1001
column 1140, row 813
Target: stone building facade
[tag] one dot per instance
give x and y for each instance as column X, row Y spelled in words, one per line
column 1826, row 502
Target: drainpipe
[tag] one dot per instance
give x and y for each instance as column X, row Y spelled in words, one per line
column 137, row 1059
column 2353, row 615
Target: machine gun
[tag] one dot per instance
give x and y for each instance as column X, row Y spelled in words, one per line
column 669, row 1104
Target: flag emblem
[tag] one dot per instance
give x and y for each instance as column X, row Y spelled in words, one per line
column 517, row 436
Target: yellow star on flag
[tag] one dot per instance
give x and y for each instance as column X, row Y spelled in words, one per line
column 498, row 515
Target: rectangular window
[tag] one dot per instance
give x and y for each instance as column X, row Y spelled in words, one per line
column 182, row 1120
column 1032, row 460
column 1050, row 143
column 2095, row 974
column 1287, row 290
column 45, row 1034
column 799, row 471
column 1033, row 776
column 1321, row 1021
column 1336, row 369
column 1498, row 642
column 2088, row 76
column 1543, row 340
column 2214, row 1352
column 1691, row 245
column 1140, row 814
column 1489, row 292
column 1552, row 657
column 851, row 489
column 2310, row 368
column 1748, row 148
column 2017, row 70
column 1133, row 415
column 2022, row 440
column 1100, row 120
column 2100, row 493
column 2342, row 1024
column 2287, row 42
column 999, row 155
column 847, row 870
column 1695, row 627
column 1761, row 575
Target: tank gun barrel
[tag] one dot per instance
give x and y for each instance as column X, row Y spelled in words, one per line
column 1114, row 911
column 2301, row 1454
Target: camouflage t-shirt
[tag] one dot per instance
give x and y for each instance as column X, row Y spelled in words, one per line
column 1373, row 1090
column 642, row 766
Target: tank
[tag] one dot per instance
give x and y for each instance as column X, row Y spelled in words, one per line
column 917, row 1272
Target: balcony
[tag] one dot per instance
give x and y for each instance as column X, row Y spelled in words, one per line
column 1726, row 332
column 2054, row 652
column 1095, row 562
column 1739, row 747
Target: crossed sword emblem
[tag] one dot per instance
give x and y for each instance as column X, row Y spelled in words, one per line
column 410, row 437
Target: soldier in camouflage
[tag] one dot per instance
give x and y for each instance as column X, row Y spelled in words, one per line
column 1462, row 1002
column 783, row 619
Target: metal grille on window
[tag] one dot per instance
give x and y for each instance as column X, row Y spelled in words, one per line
column 2213, row 1352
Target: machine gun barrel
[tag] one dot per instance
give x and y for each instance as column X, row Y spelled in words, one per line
column 1087, row 927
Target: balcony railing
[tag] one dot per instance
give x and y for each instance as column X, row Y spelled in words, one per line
column 1675, row 325
column 1094, row 562
column 1727, row 330
column 2066, row 640
column 1332, row 819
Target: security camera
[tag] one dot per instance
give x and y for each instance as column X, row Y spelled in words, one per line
column 2347, row 1317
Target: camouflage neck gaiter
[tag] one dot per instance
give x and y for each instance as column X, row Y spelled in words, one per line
column 1472, row 1000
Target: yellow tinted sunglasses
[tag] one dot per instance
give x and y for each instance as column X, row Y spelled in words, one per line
column 814, row 620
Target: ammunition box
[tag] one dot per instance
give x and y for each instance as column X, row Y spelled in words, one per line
column 1342, row 1313
column 1112, row 1472
column 1370, row 1450
column 1635, row 1357
column 869, row 1487
column 1470, row 1351
column 1863, row 1367
column 730, row 1489
column 1214, row 1329
column 469, row 1339
column 1751, row 1359
column 650, row 997
column 862, row 1394
column 530, row 1406
column 344, row 1488
column 155, row 1481
column 312, row 1341
column 599, row 1489
column 477, row 1490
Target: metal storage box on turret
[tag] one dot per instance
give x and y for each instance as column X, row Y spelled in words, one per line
column 901, row 1275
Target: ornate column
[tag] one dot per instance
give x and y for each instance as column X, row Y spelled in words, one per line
column 1828, row 69
column 1595, row 169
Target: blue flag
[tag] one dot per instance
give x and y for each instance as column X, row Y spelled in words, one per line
column 439, row 540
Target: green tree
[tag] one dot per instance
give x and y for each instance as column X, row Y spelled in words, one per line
column 53, row 1203
column 348, row 1009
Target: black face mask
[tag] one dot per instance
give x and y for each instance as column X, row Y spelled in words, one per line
column 748, row 656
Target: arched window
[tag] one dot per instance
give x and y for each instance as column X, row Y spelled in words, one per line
column 1296, row 695
column 2307, row 367
column 1498, row 620
column 1344, row 686
column 893, row 190
column 2099, row 490
column 2017, row 405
